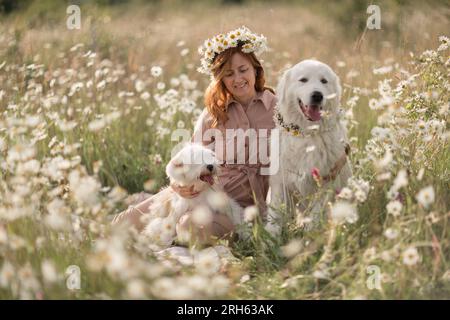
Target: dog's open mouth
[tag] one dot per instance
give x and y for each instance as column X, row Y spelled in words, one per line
column 208, row 178
column 311, row 112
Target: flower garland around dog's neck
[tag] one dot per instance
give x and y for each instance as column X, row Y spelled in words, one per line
column 290, row 128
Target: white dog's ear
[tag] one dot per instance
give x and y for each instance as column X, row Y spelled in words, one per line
column 281, row 88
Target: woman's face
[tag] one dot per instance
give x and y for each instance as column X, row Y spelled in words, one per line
column 239, row 78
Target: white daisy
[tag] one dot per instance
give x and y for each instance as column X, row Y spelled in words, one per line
column 250, row 213
column 343, row 211
column 360, row 195
column 136, row 289
column 292, row 248
column 218, row 201
column 345, row 194
column 184, row 52
column 394, row 207
column 49, row 272
column 391, row 233
column 401, row 180
column 410, row 256
column 145, row 95
column 156, row 71
column 202, row 215
column 207, row 261
column 139, row 85
column 425, row 197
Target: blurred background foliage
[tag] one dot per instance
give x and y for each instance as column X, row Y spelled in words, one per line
column 350, row 15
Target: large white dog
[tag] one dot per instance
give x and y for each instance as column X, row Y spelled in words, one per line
column 313, row 143
column 193, row 166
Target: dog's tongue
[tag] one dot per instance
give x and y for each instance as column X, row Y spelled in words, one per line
column 207, row 178
column 313, row 113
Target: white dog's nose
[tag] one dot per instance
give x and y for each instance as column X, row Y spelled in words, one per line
column 210, row 167
column 316, row 97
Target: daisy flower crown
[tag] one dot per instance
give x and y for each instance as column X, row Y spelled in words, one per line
column 249, row 41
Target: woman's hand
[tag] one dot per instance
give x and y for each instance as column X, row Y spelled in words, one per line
column 185, row 192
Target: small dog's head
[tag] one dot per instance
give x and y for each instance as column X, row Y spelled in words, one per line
column 193, row 165
column 307, row 92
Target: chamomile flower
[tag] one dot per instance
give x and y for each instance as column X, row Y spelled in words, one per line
column 391, row 233
column 49, row 272
column 425, row 197
column 207, row 261
column 394, row 208
column 292, row 248
column 202, row 215
column 401, row 180
column 411, row 256
column 250, row 213
column 345, row 194
column 343, row 211
column 156, row 71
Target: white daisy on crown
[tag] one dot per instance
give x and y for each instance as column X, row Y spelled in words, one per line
column 251, row 42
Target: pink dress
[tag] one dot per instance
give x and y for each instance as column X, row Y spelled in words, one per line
column 240, row 170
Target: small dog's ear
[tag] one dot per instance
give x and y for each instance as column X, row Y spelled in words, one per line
column 281, row 88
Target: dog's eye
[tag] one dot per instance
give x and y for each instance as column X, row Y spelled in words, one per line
column 177, row 165
column 324, row 81
column 303, row 80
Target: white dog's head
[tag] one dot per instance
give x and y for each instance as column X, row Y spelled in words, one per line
column 193, row 165
column 308, row 91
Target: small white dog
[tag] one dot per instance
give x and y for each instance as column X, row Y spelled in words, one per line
column 194, row 166
column 313, row 142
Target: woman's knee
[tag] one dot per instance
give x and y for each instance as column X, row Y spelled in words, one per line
column 221, row 227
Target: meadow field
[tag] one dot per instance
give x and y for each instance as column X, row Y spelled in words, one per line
column 86, row 122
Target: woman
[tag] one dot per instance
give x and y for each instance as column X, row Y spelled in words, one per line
column 236, row 98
